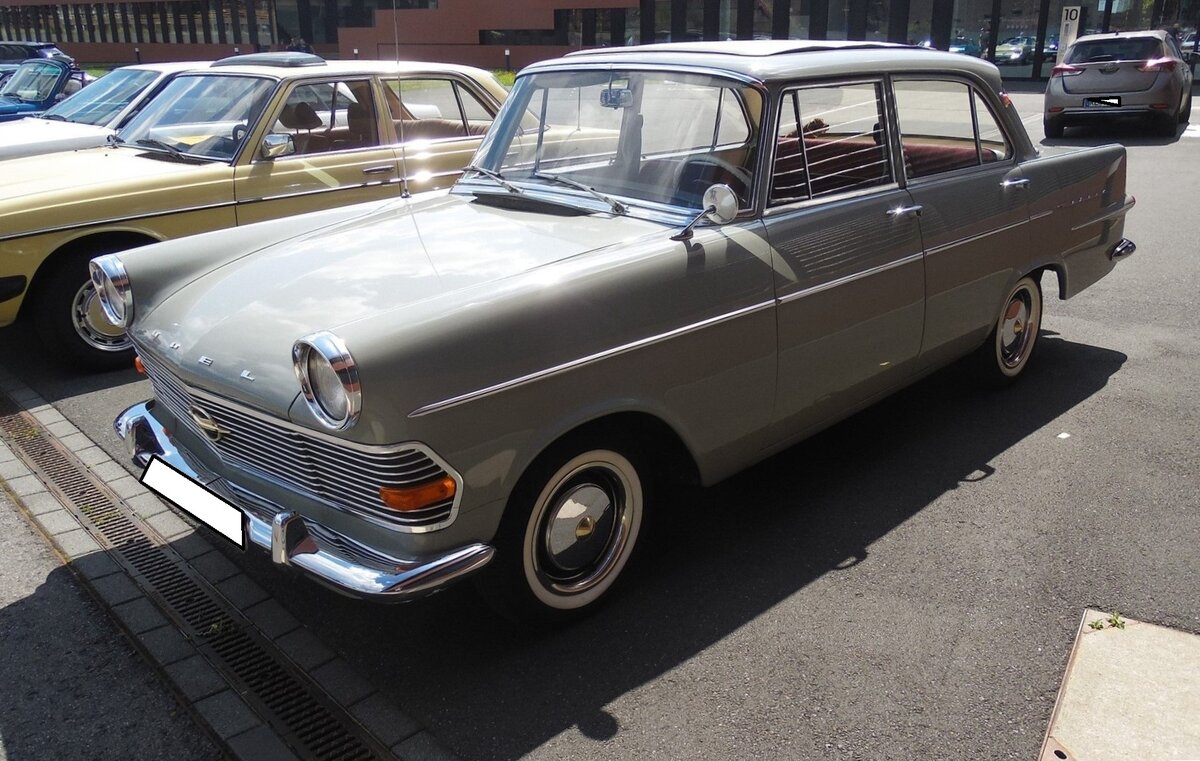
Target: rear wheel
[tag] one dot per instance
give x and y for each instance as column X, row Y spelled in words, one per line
column 569, row 530
column 1185, row 113
column 69, row 320
column 1053, row 127
column 1165, row 125
column 1005, row 354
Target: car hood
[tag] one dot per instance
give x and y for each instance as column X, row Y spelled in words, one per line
column 34, row 136
column 10, row 106
column 415, row 261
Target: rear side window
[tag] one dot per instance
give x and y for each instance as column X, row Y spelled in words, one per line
column 1116, row 49
column 946, row 126
column 435, row 109
column 830, row 140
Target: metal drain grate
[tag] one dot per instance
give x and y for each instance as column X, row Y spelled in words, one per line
column 289, row 702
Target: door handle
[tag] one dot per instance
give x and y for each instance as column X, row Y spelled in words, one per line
column 385, row 169
column 1019, row 184
column 905, row 211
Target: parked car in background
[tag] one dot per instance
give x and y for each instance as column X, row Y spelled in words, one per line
column 38, row 84
column 90, row 117
column 6, row 71
column 665, row 262
column 965, row 46
column 1188, row 47
column 1050, row 48
column 1139, row 75
column 250, row 138
column 1015, row 50
column 15, row 51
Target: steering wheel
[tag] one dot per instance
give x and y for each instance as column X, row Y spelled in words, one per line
column 239, row 132
column 696, row 171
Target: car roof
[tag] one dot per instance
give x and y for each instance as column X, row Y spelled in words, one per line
column 1156, row 33
column 773, row 60
column 345, row 68
column 167, row 66
column 27, row 43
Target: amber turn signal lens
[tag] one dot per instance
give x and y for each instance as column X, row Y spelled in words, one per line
column 418, row 497
column 137, row 365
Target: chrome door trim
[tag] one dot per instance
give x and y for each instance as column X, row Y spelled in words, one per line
column 850, row 278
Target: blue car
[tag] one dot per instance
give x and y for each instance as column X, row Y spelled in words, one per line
column 36, row 85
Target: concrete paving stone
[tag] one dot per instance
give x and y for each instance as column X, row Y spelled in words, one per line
column 242, row 591
column 260, row 744
column 43, row 502
column 96, row 565
column 58, row 522
column 146, row 505
column 48, row 417
column 93, row 455
column 271, row 618
column 108, row 471
column 384, row 720
column 166, row 645
column 139, row 615
column 303, row 647
column 227, row 714
column 6, row 454
column 12, row 469
column 25, row 485
column 168, row 524
column 195, row 678
column 62, row 428
column 76, row 442
column 423, row 746
column 126, row 486
column 191, row 545
column 76, row 544
column 116, row 589
column 342, row 682
column 214, row 566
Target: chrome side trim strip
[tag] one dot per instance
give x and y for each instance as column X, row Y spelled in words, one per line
column 973, row 238
column 319, row 191
column 850, row 278
column 454, row 401
column 1112, row 213
column 119, row 220
column 1041, row 215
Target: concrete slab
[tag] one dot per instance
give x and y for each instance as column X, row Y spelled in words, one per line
column 1130, row 691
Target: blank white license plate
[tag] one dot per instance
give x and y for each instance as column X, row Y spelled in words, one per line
column 1114, row 102
column 196, row 500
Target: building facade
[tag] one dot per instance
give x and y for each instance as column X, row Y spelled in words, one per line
column 513, row 33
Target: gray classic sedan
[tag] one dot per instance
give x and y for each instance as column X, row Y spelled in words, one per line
column 666, row 262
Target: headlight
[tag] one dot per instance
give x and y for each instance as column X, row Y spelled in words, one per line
column 112, row 286
column 329, row 379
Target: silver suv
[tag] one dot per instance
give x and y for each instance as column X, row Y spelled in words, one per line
column 1126, row 74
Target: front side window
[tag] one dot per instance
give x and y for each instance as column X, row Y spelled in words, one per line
column 206, row 116
column 33, row 81
column 649, row 136
column 946, row 126
column 435, row 109
column 830, row 140
column 101, row 101
column 329, row 116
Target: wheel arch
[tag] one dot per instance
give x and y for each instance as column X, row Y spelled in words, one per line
column 100, row 242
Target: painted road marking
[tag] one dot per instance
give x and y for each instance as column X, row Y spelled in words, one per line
column 195, row 500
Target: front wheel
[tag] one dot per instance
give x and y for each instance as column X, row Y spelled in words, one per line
column 1005, row 354
column 68, row 318
column 569, row 531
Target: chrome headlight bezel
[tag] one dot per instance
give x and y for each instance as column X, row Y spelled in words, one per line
column 326, row 347
column 111, row 282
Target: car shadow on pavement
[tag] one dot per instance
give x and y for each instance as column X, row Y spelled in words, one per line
column 720, row 559
column 1125, row 132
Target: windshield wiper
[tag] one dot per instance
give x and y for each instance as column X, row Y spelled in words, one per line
column 499, row 178
column 54, row 117
column 616, row 206
column 150, row 142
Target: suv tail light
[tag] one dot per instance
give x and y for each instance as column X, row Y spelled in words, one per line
column 1066, row 70
column 1158, row 64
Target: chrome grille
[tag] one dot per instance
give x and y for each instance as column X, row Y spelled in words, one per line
column 336, row 472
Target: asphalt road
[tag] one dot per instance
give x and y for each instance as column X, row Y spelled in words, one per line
column 904, row 585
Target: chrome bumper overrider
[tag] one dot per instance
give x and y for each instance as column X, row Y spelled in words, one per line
column 330, row 558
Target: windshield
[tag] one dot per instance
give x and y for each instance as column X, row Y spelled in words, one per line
column 643, row 136
column 33, row 81
column 102, row 100
column 200, row 115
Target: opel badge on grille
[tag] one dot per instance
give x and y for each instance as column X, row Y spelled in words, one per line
column 211, row 428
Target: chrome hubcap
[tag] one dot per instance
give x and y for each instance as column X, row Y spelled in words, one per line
column 578, row 530
column 93, row 327
column 1014, row 333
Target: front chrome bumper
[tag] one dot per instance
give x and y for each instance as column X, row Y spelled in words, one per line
column 330, row 558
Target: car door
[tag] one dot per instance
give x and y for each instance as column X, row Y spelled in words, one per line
column 849, row 278
column 440, row 121
column 962, row 173
column 341, row 153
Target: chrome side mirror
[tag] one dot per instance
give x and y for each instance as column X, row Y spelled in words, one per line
column 720, row 207
column 274, row 146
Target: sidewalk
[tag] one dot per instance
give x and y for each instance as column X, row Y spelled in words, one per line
column 71, row 686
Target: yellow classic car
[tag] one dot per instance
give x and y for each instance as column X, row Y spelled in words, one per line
column 251, row 138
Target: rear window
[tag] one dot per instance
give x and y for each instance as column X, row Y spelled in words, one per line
column 1117, row 49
